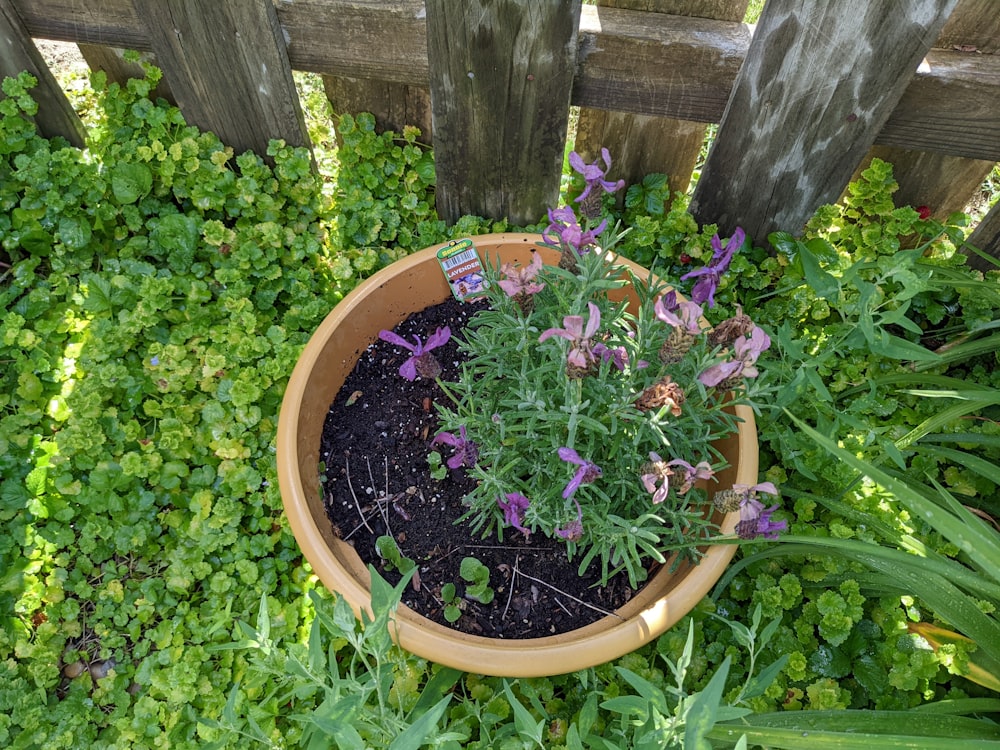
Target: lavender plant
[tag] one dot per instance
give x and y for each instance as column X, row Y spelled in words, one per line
column 588, row 421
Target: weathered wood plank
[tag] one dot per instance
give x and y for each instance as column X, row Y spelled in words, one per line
column 952, row 102
column 119, row 70
column 113, row 23
column 639, row 144
column 18, row 53
column 395, row 105
column 986, row 237
column 941, row 182
column 655, row 64
column 382, row 40
column 501, row 73
column 623, row 66
column 227, row 66
column 807, row 105
column 974, row 25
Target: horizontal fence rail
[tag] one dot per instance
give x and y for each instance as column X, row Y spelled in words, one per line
column 802, row 100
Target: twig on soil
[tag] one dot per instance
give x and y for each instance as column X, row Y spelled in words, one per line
column 556, row 588
column 562, row 606
column 510, row 588
column 383, row 508
column 357, row 503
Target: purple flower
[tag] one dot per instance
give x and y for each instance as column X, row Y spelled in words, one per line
column 656, row 480
column 573, row 531
column 755, row 519
column 514, row 507
column 466, row 451
column 593, row 175
column 709, row 276
column 154, row 361
column 685, row 316
column 521, row 280
column 581, row 353
column 617, row 356
column 564, row 230
column 587, row 473
column 422, row 362
column 691, row 474
column 746, row 350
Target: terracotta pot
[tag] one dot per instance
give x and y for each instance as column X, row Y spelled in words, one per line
column 382, row 301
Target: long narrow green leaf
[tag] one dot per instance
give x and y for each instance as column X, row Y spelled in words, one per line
column 986, row 345
column 925, row 725
column 976, row 540
column 942, row 418
column 981, row 466
column 860, row 730
column 962, row 438
column 960, row 706
column 702, row 712
column 416, row 734
column 855, row 549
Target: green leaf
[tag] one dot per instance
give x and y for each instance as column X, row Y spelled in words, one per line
column 74, row 232
column 524, row 722
column 130, row 181
column 415, row 735
column 701, row 712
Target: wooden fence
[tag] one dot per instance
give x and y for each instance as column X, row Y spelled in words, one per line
column 802, row 100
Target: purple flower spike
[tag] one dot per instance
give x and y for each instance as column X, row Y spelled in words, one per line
column 594, row 175
column 521, row 280
column 746, row 350
column 755, row 519
column 514, row 507
column 709, row 276
column 587, row 473
column 617, row 356
column 422, row 362
column 581, row 353
column 573, row 531
column 686, row 316
column 657, row 479
column 564, row 230
column 466, row 451
column 690, row 474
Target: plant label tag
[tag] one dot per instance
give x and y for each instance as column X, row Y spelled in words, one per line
column 463, row 268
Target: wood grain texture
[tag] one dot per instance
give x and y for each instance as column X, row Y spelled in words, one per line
column 942, row 182
column 394, row 105
column 501, row 73
column 974, row 25
column 654, row 64
column 629, row 61
column 640, row 144
column 119, row 70
column 986, row 237
column 808, row 103
column 55, row 116
column 227, row 67
column 951, row 103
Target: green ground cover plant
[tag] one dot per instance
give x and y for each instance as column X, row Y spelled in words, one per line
column 157, row 289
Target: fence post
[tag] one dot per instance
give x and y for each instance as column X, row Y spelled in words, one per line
column 818, row 83
column 227, row 65
column 986, row 237
column 119, row 70
column 18, row 53
column 641, row 144
column 501, row 72
column 943, row 182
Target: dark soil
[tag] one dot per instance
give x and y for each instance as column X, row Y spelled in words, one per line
column 375, row 451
